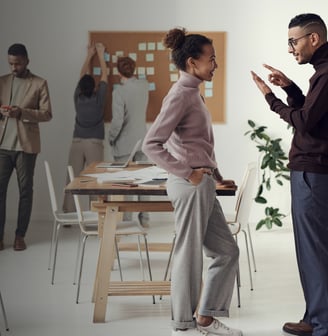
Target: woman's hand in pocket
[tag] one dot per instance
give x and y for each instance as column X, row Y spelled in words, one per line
column 197, row 175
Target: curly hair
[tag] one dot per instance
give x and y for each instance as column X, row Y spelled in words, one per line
column 126, row 66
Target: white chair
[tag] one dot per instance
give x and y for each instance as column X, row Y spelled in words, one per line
column 60, row 219
column 240, row 223
column 123, row 229
column 4, row 313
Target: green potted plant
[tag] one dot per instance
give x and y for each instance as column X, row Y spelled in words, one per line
column 273, row 165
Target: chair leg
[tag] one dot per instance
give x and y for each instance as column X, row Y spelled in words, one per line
column 140, row 259
column 238, row 282
column 55, row 254
column 4, row 313
column 238, row 285
column 77, row 259
column 169, row 260
column 148, row 262
column 52, row 243
column 148, row 259
column 251, row 244
column 248, row 259
column 118, row 259
column 81, row 266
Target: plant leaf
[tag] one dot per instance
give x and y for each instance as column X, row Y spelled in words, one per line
column 273, row 166
column 260, row 199
column 251, row 123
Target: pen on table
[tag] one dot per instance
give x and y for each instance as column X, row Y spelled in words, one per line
column 84, row 181
column 124, row 185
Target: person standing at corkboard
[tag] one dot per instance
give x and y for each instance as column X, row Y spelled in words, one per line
column 128, row 125
column 87, row 145
column 154, row 62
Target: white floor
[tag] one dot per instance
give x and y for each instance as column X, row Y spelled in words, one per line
column 36, row 308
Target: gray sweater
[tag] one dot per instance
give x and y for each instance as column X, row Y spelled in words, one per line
column 89, row 119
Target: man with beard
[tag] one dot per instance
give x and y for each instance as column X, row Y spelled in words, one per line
column 24, row 102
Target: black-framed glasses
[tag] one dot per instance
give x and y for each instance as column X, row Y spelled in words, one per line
column 292, row 42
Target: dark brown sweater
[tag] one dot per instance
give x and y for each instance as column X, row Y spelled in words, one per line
column 309, row 117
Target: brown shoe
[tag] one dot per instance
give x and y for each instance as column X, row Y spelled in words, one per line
column 300, row 328
column 2, row 246
column 19, row 244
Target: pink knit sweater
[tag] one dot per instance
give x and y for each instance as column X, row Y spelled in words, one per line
column 181, row 137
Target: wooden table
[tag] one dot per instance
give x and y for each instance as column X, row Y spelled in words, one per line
column 110, row 214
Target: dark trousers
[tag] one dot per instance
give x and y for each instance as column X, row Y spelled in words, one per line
column 24, row 164
column 310, row 220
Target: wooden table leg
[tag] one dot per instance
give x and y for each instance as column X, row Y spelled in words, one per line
column 105, row 262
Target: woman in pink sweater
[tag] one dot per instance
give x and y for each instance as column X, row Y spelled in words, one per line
column 181, row 141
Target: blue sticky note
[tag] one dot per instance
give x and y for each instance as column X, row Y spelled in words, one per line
column 96, row 71
column 106, row 57
column 208, row 93
column 152, row 86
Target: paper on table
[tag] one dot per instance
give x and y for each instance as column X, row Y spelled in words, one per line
column 150, row 173
column 153, row 183
column 132, row 176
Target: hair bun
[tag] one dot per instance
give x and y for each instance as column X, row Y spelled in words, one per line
column 175, row 38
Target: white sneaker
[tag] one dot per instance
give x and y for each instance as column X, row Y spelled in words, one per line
column 218, row 328
column 189, row 332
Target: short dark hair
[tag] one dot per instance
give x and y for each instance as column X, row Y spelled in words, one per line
column 18, row 49
column 87, row 85
column 126, row 66
column 312, row 22
column 184, row 46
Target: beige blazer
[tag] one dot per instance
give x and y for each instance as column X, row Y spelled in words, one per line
column 35, row 106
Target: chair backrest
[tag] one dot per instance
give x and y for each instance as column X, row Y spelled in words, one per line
column 51, row 188
column 246, row 195
column 84, row 222
column 76, row 197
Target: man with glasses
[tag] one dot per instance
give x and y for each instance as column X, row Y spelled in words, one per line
column 308, row 162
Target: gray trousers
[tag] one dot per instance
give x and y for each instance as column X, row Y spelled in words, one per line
column 200, row 227
column 82, row 153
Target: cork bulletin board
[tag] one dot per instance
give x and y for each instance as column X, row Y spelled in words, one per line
column 153, row 63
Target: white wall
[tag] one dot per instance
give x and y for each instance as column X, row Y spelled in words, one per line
column 56, row 34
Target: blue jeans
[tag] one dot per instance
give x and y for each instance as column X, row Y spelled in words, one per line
column 24, row 163
column 310, row 221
